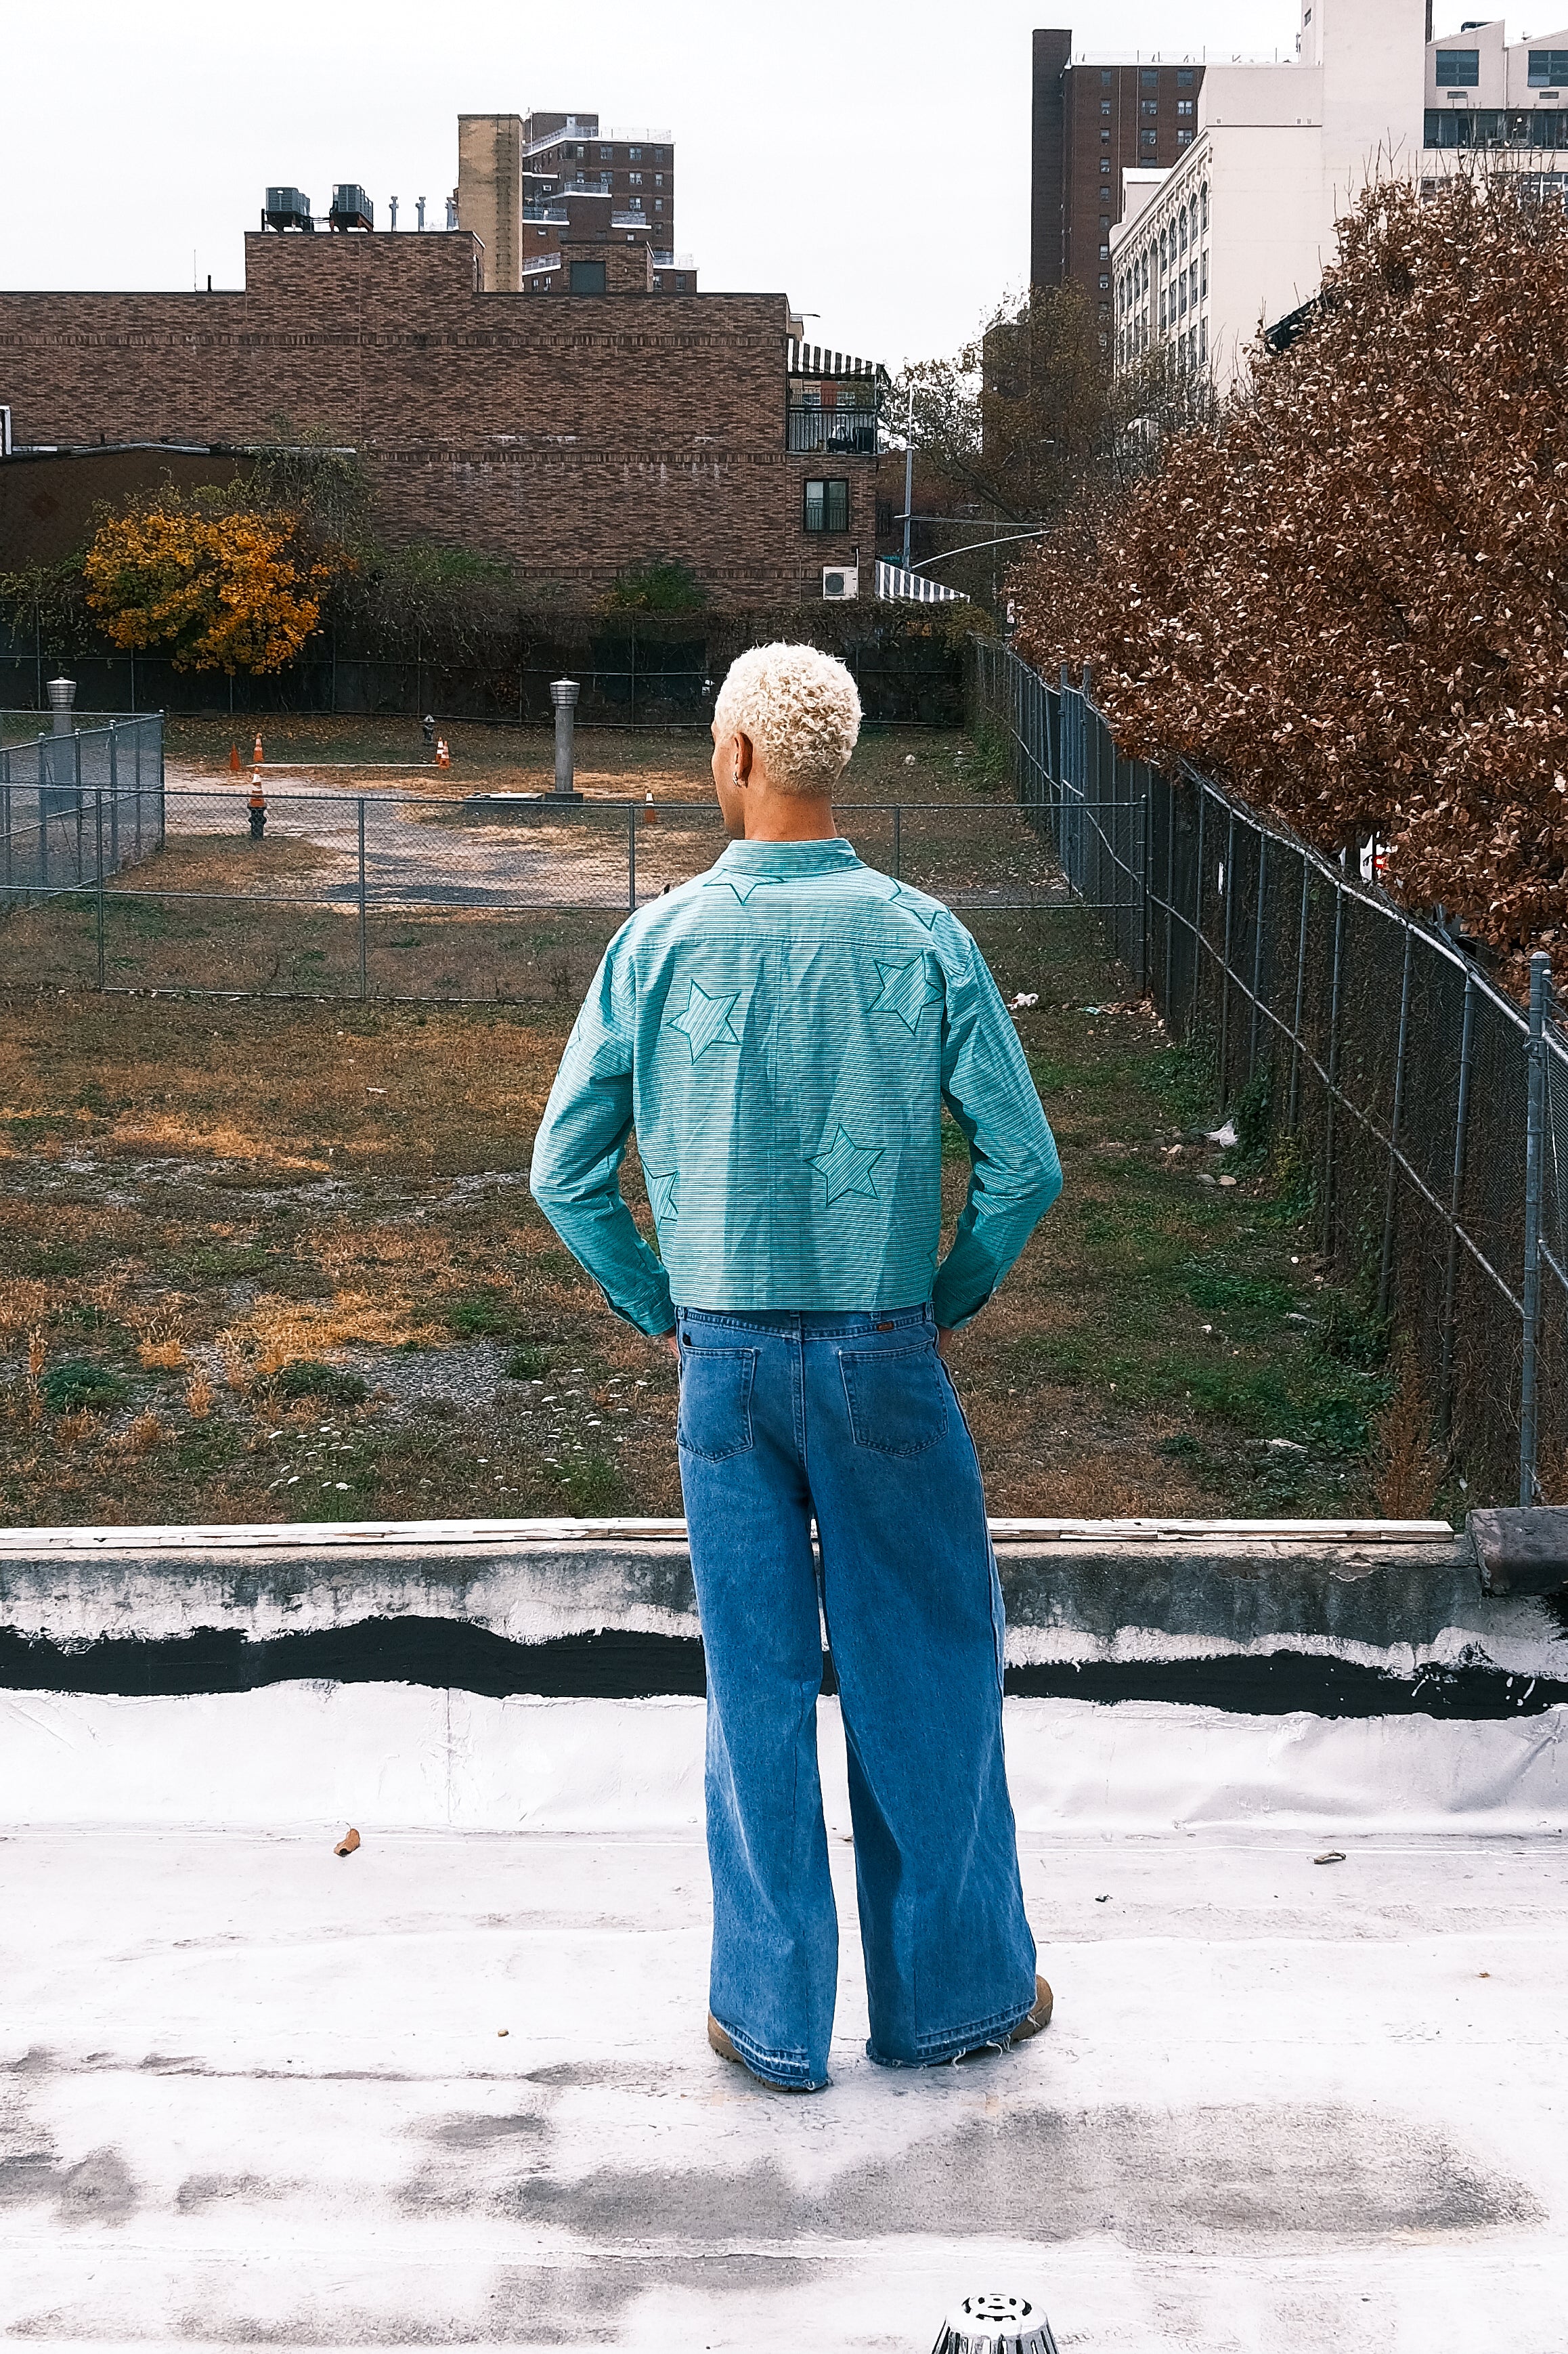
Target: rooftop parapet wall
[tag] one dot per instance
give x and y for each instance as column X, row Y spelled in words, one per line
column 1352, row 1619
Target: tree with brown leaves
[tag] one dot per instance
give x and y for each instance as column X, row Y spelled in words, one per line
column 1348, row 596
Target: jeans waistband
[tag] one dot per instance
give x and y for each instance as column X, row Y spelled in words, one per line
column 810, row 1323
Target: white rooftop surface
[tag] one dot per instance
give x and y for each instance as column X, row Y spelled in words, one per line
column 250, row 2093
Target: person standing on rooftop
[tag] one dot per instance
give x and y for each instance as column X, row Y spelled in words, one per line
column 782, row 1033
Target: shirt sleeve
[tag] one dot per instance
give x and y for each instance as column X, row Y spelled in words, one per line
column 578, row 1153
column 1014, row 1174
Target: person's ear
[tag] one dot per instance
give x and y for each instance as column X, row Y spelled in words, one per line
column 741, row 764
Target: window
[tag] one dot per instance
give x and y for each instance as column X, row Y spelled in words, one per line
column 1151, row 106
column 1105, row 220
column 1203, row 275
column 1149, row 137
column 580, row 152
column 1149, row 77
column 586, row 278
column 1105, row 142
column 1183, row 228
column 659, row 156
column 1183, row 139
column 1105, row 106
column 1548, row 68
column 681, row 285
column 658, row 179
column 635, row 178
column 826, row 507
column 1461, row 69
column 1184, row 78
column 1105, row 282
column 1183, row 106
column 1105, row 78
column 634, row 155
column 1202, row 339
column 657, row 204
column 1105, row 256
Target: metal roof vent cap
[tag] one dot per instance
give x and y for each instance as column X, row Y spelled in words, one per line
column 62, row 695
column 994, row 2323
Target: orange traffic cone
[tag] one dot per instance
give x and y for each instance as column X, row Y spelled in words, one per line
column 234, row 757
column 650, row 814
column 443, row 757
column 258, row 756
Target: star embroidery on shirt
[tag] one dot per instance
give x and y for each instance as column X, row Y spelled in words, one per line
column 662, row 1195
column 923, row 910
column 906, row 989
column 846, row 1166
column 705, row 1021
column 740, row 883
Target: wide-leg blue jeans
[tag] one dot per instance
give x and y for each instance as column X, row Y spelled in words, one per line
column 851, row 1420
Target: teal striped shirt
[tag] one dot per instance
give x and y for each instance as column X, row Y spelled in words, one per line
column 782, row 1033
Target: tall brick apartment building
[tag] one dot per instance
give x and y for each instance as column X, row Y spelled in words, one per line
column 563, row 207
column 572, row 437
column 1090, row 121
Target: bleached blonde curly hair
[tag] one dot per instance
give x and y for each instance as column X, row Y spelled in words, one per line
column 799, row 707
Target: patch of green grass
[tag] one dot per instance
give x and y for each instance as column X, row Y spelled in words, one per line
column 527, row 1363
column 593, row 1486
column 307, row 1377
column 480, row 1319
column 75, row 1384
column 231, row 1263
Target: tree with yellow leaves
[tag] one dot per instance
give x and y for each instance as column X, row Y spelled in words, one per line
column 214, row 583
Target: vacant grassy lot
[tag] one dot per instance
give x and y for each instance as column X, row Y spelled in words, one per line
column 279, row 1261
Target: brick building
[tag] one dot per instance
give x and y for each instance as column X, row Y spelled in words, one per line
column 1091, row 120
column 561, row 207
column 571, row 438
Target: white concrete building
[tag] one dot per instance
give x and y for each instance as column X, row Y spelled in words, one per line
column 1236, row 235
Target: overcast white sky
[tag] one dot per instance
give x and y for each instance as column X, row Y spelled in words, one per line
column 871, row 161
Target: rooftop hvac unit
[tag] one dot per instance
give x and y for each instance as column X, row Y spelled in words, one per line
column 286, row 208
column 840, row 580
column 351, row 208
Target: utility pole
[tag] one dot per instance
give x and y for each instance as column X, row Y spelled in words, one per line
column 908, row 475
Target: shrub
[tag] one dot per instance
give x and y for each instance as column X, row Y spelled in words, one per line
column 216, row 587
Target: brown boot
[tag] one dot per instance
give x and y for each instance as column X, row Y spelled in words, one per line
column 726, row 2050
column 1031, row 2024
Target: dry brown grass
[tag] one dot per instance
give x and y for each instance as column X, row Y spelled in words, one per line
column 1408, row 1468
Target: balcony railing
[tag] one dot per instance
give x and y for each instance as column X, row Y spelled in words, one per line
column 850, row 431
column 536, row 264
column 545, row 213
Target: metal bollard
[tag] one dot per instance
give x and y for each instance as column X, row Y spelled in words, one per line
column 563, row 695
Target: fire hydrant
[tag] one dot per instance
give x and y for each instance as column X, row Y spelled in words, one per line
column 443, row 757
column 258, row 806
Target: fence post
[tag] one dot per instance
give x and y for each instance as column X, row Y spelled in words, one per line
column 364, row 991
column 1385, row 1264
column 631, row 858
column 1534, row 1161
column 1295, row 1105
column 1258, row 949
column 1229, row 888
column 1333, row 1071
column 1456, row 1198
column 98, row 812
column 1198, row 909
column 897, row 842
column 1167, row 786
column 44, row 769
column 113, row 802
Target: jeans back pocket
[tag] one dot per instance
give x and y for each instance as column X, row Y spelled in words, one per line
column 714, row 1416
column 898, row 1399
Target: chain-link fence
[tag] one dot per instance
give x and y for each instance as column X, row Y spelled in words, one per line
column 75, row 809
column 1424, row 1115
column 403, row 896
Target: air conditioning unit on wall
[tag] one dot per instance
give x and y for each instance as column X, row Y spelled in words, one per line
column 840, row 580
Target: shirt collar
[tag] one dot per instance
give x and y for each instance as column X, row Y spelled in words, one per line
column 788, row 858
